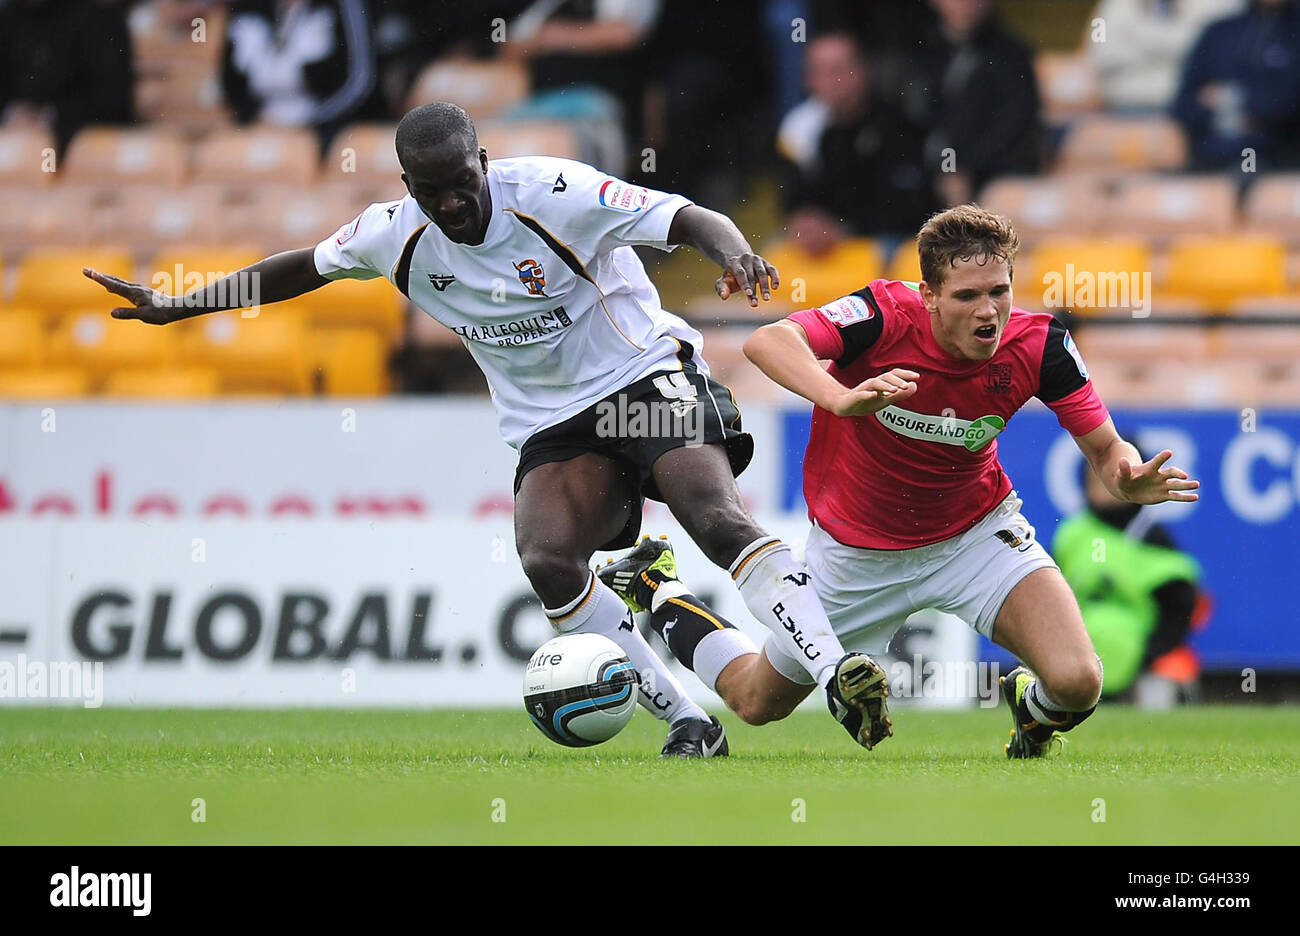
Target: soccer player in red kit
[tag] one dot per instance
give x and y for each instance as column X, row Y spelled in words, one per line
column 910, row 507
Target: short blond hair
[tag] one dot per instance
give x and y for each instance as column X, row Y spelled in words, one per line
column 964, row 232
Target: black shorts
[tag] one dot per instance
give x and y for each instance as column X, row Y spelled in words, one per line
column 640, row 422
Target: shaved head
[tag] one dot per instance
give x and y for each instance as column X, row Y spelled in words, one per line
column 429, row 126
column 445, row 170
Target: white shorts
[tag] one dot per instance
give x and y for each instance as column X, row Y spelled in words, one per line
column 869, row 593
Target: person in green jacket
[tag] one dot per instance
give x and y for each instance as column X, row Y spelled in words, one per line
column 1136, row 589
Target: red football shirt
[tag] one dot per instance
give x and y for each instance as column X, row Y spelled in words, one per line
column 927, row 469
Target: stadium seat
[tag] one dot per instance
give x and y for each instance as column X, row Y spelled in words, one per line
column 1167, row 206
column 1068, row 84
column 73, row 214
column 285, row 217
column 1281, row 388
column 266, row 353
column 1218, row 270
column 1045, row 206
column 809, row 281
column 363, row 153
column 1122, row 143
column 484, row 89
column 27, row 157
column 373, row 303
column 20, row 203
column 52, row 279
column 350, row 361
column 156, row 217
column 43, row 384
column 1282, row 305
column 169, row 384
column 1093, row 274
column 1142, row 343
column 905, row 264
column 248, row 156
column 1273, row 346
column 210, row 262
column 22, row 340
column 95, row 343
column 1273, row 206
column 728, row 364
column 111, row 155
column 503, row 139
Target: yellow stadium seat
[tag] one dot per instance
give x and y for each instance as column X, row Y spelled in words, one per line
column 352, row 361
column 1273, row 206
column 810, row 281
column 108, row 154
column 1087, row 274
column 183, row 268
column 41, row 385
column 1068, row 84
column 1123, row 143
column 363, row 153
column 169, row 384
column 27, row 157
column 52, row 279
column 1218, row 270
column 22, row 340
column 96, row 343
column 1167, row 206
column 484, row 89
column 1045, row 206
column 249, row 156
column 905, row 264
column 375, row 303
column 503, row 139
column 266, row 353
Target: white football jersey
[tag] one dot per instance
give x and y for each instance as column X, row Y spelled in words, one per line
column 554, row 305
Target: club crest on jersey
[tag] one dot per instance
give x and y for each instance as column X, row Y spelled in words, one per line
column 999, row 377
column 972, row 435
column 441, row 281
column 532, row 276
column 623, row 197
column 847, row 310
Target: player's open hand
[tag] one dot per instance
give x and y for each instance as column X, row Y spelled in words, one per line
column 1152, row 483
column 875, row 393
column 748, row 273
column 147, row 305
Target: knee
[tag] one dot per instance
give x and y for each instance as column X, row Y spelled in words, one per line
column 755, row 710
column 555, row 572
column 1077, row 686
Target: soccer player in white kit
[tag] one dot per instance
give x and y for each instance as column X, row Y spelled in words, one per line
column 530, row 262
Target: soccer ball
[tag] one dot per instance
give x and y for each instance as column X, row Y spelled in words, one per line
column 580, row 689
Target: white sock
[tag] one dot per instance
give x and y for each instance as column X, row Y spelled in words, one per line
column 597, row 610
column 777, row 590
column 716, row 652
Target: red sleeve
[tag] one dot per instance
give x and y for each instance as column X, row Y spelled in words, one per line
column 823, row 337
column 1081, row 411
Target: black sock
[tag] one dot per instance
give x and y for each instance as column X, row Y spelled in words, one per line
column 1058, row 719
column 683, row 621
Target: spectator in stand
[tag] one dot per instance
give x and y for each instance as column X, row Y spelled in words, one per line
column 1241, row 89
column 853, row 162
column 65, row 66
column 971, row 84
column 1139, row 61
column 301, row 63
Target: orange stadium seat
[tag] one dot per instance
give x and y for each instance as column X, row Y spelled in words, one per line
column 1142, row 343
column 110, row 155
column 248, row 156
column 52, row 280
column 20, row 203
column 168, row 384
column 27, row 157
column 1281, row 305
column 1281, row 388
column 1068, row 84
column 363, row 153
column 155, row 217
column 1166, row 206
column 74, row 214
column 484, row 89
column 22, row 340
column 266, row 353
column 503, row 139
column 905, row 264
column 374, row 303
column 35, row 386
column 808, row 281
column 97, row 344
column 1123, row 143
column 1043, row 206
column 351, row 361
column 1093, row 274
column 1273, row 206
column 1218, row 270
column 1274, row 346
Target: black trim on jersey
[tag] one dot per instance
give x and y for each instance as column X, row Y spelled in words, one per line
column 860, row 336
column 402, row 275
column 569, row 258
column 1058, row 375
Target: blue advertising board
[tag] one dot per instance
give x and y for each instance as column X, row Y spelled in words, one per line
column 1244, row 530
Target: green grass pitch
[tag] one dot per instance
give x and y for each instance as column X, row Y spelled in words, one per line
column 1200, row 775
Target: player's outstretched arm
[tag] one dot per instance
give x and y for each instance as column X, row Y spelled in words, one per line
column 782, row 352
column 717, row 237
column 1127, row 477
column 274, row 279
